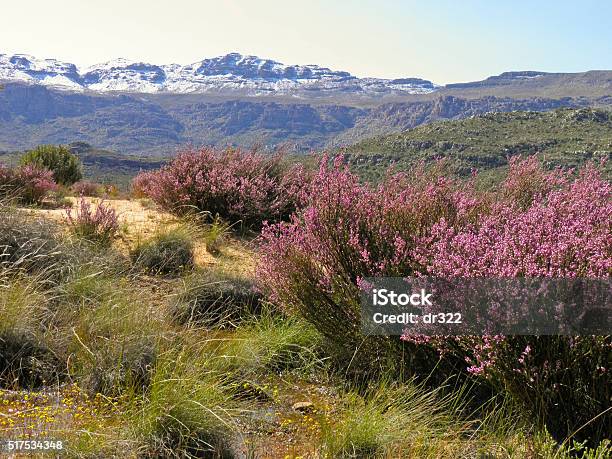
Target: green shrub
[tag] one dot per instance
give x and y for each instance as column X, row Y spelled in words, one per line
column 166, row 253
column 66, row 167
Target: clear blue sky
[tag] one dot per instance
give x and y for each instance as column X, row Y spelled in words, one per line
column 441, row 40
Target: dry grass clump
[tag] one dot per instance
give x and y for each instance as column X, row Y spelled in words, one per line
column 31, row 245
column 213, row 297
column 168, row 252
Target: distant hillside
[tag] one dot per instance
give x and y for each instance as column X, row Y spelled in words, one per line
column 109, row 167
column 562, row 137
column 595, row 83
column 101, row 165
column 396, row 117
column 156, row 125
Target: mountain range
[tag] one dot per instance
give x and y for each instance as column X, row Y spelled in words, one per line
column 246, row 75
column 153, row 110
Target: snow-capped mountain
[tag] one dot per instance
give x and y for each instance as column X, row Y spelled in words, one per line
column 49, row 72
column 233, row 72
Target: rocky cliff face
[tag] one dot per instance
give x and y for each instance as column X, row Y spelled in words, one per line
column 154, row 125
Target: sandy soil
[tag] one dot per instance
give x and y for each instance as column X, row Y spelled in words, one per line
column 139, row 220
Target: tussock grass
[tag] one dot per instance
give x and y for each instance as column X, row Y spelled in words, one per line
column 114, row 346
column 215, row 234
column 168, row 252
column 19, row 304
column 26, row 357
column 215, row 298
column 31, row 245
column 98, row 331
column 273, row 343
column 186, row 411
column 25, row 361
column 409, row 420
column 405, row 420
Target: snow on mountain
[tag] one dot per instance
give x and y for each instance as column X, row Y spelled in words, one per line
column 48, row 72
column 249, row 75
column 124, row 75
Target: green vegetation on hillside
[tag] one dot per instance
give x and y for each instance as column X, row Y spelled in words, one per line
column 105, row 166
column 99, row 165
column 566, row 138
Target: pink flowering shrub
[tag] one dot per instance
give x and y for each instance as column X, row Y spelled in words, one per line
column 29, row 184
column 347, row 231
column 237, row 185
column 5, row 174
column 98, row 226
column 142, row 183
column 562, row 380
column 562, row 230
column 538, row 224
column 6, row 181
column 528, row 181
column 85, row 188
